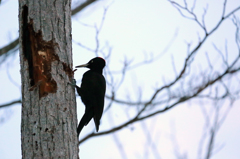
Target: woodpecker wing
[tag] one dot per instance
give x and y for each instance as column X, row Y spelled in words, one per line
column 93, row 89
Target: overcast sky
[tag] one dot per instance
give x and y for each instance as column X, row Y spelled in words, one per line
column 132, row 28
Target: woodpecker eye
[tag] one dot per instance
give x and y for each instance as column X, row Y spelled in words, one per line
column 92, row 61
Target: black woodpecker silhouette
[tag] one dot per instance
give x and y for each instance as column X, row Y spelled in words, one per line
column 92, row 92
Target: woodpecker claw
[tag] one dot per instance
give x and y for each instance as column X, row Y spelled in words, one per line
column 73, row 83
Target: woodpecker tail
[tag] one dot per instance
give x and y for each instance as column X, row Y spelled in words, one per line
column 97, row 123
column 84, row 121
column 80, row 126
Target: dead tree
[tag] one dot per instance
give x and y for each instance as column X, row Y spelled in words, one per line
column 49, row 119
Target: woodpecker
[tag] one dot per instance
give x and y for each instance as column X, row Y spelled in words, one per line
column 92, row 92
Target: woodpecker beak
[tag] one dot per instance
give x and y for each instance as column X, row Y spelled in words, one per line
column 84, row 65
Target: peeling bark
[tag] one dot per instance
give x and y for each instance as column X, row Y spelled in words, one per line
column 49, row 120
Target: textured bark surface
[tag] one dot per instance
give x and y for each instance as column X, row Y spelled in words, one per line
column 49, row 119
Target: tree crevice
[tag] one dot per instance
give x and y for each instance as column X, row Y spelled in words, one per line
column 40, row 54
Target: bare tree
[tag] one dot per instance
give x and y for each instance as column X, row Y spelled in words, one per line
column 183, row 88
column 49, row 119
column 173, row 93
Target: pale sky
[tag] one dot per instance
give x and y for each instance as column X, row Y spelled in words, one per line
column 133, row 27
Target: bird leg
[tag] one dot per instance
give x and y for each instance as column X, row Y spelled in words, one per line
column 74, row 84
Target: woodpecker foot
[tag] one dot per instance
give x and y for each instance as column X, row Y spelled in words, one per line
column 73, row 83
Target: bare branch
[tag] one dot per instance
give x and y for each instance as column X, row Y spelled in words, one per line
column 152, row 57
column 11, row 103
column 203, row 16
column 224, row 17
column 138, row 118
column 150, row 141
column 188, row 62
column 9, row 47
column 82, row 6
column 98, row 29
column 117, row 141
column 185, row 8
column 221, row 54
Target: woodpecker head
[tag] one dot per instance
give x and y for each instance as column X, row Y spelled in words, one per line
column 96, row 64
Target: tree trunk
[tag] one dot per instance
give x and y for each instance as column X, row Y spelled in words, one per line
column 49, row 118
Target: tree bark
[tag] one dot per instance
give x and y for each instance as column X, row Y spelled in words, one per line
column 49, row 119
